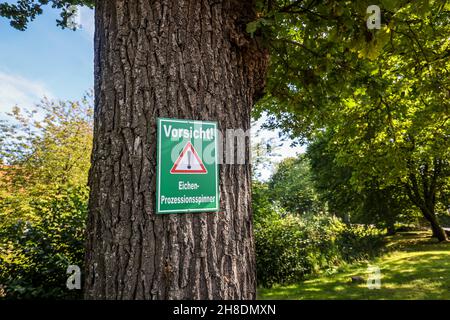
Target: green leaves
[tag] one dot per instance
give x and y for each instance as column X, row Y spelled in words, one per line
column 24, row 11
column 50, row 151
column 292, row 187
column 290, row 248
column 382, row 96
column 34, row 255
column 254, row 26
column 45, row 158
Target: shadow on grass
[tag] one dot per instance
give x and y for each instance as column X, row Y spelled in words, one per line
column 421, row 270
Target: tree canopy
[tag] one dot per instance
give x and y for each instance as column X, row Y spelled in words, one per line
column 24, row 11
column 45, row 156
column 382, row 95
column 292, row 186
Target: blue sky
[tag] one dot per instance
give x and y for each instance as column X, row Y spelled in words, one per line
column 47, row 61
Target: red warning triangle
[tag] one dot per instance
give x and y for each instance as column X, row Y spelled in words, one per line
column 188, row 161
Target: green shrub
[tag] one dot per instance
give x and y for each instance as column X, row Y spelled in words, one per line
column 34, row 256
column 288, row 249
column 262, row 205
column 359, row 242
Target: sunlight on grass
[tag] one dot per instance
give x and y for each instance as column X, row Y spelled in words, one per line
column 416, row 268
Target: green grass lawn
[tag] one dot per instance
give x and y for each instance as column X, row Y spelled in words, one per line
column 416, row 267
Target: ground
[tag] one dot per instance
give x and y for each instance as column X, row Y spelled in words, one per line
column 415, row 267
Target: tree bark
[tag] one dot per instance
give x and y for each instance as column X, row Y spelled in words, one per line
column 177, row 59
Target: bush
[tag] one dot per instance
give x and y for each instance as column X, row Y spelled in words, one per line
column 34, row 256
column 359, row 242
column 288, row 249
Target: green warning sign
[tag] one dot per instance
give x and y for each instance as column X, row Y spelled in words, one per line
column 187, row 166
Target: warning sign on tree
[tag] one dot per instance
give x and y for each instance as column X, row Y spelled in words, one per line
column 187, row 166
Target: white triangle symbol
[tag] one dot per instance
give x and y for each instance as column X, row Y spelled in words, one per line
column 188, row 162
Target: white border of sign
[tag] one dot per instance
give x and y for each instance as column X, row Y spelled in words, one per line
column 158, row 167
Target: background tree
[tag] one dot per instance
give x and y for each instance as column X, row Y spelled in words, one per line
column 291, row 185
column 364, row 203
column 43, row 198
column 383, row 93
column 332, row 181
column 290, row 245
column 45, row 148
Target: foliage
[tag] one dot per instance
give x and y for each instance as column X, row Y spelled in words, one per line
column 49, row 145
column 370, row 203
column 262, row 206
column 292, row 186
column 381, row 95
column 288, row 249
column 315, row 182
column 359, row 242
column 34, row 256
column 24, row 11
column 45, row 155
column 332, row 180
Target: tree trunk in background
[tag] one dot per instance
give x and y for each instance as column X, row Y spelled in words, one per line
column 177, row 59
column 438, row 232
column 424, row 197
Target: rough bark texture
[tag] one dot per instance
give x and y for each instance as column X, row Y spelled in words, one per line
column 169, row 58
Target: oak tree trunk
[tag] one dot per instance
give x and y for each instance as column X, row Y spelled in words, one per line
column 176, row 59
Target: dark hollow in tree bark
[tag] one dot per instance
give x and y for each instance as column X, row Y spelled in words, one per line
column 177, row 59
